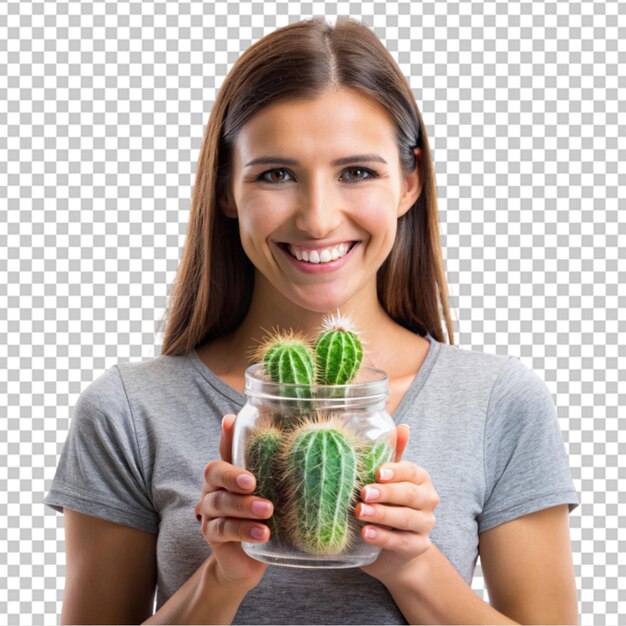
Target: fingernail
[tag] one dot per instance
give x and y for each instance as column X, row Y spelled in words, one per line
column 245, row 481
column 386, row 473
column 257, row 532
column 406, row 426
column 261, row 508
column 366, row 509
column 370, row 533
column 371, row 493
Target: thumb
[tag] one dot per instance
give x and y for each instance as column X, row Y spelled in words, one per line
column 226, row 437
column 402, row 438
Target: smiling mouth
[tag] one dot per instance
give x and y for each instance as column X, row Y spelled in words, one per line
column 318, row 256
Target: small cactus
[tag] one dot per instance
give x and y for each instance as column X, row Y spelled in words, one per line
column 338, row 351
column 262, row 459
column 321, row 462
column 371, row 458
column 287, row 358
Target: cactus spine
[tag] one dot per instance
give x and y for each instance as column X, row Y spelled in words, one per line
column 321, row 465
column 338, row 351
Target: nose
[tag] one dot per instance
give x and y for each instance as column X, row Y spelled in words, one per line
column 319, row 208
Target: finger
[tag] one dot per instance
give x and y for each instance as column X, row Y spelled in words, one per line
column 396, row 517
column 403, row 471
column 222, row 530
column 406, row 544
column 422, row 497
column 402, row 438
column 226, row 437
column 222, row 475
column 221, row 503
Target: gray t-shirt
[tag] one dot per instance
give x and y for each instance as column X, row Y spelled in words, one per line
column 484, row 426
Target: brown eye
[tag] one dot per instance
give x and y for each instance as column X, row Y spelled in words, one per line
column 361, row 170
column 269, row 175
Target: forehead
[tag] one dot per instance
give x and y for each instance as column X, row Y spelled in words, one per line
column 337, row 121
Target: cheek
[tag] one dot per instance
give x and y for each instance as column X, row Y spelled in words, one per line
column 256, row 224
column 376, row 214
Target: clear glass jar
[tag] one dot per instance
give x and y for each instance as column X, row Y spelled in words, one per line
column 312, row 448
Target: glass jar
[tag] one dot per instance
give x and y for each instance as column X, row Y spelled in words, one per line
column 312, row 449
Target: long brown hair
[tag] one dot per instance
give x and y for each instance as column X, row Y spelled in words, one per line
column 213, row 287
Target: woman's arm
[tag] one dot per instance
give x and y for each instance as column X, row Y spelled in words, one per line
column 203, row 599
column 528, row 569
column 527, row 566
column 110, row 572
column 111, row 579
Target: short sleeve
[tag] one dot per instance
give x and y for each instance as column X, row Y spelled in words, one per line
column 525, row 461
column 100, row 471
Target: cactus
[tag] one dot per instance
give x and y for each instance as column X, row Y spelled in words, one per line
column 287, row 358
column 320, row 458
column 371, row 458
column 262, row 459
column 338, row 351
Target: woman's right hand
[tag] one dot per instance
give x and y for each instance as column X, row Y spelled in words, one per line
column 228, row 513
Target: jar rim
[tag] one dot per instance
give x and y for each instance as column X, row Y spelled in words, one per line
column 372, row 384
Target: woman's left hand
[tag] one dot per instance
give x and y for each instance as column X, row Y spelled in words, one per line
column 398, row 512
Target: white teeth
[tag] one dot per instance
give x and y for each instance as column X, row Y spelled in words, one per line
column 319, row 256
column 325, row 256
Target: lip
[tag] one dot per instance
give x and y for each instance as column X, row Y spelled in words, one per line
column 319, row 268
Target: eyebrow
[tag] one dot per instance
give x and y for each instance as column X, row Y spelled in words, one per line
column 360, row 158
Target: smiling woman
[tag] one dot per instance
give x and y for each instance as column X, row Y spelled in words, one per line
column 252, row 126
column 315, row 191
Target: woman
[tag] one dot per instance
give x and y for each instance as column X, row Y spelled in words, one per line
column 315, row 191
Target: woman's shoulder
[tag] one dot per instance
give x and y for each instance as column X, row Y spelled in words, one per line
column 470, row 360
column 510, row 383
column 153, row 373
column 504, row 377
column 155, row 366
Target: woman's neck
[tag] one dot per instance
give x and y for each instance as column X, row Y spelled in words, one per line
column 387, row 345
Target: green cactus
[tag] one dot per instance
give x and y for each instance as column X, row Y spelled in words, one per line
column 287, row 358
column 263, row 460
column 371, row 458
column 320, row 459
column 338, row 351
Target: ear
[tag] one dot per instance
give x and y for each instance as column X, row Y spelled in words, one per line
column 412, row 184
column 227, row 205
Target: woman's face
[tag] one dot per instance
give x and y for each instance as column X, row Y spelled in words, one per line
column 316, row 221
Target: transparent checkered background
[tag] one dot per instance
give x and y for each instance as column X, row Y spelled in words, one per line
column 102, row 111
